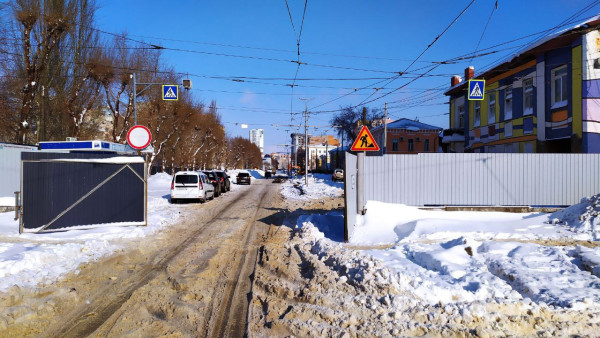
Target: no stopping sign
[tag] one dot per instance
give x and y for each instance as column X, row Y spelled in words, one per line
column 139, row 137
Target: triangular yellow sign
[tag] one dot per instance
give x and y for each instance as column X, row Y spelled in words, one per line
column 365, row 141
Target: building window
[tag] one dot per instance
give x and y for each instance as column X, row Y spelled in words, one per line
column 508, row 127
column 411, row 144
column 461, row 116
column 528, row 96
column 528, row 125
column 528, row 147
column 492, row 108
column 508, row 103
column 477, row 113
column 426, row 145
column 395, row 144
column 559, row 87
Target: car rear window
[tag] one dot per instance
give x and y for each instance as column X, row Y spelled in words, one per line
column 186, row 179
column 243, row 175
column 210, row 175
column 220, row 174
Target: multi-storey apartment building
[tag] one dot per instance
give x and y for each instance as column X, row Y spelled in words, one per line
column 543, row 99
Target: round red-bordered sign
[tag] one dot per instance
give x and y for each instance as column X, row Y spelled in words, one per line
column 139, row 137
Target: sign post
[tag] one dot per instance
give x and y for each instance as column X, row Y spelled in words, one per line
column 364, row 142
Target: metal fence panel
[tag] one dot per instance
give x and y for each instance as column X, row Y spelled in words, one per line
column 481, row 179
column 10, row 167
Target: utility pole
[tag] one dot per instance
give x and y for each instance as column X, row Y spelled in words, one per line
column 305, row 100
column 385, row 131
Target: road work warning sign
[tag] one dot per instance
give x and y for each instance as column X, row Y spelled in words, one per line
column 365, row 141
column 476, row 89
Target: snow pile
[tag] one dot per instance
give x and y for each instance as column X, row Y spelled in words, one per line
column 29, row 259
column 319, row 186
column 386, row 223
column 457, row 257
column 581, row 217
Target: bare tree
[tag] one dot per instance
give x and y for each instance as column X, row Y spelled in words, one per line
column 42, row 24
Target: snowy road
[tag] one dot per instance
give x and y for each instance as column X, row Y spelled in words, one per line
column 192, row 279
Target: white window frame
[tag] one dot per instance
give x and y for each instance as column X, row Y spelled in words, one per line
column 492, row 108
column 508, row 103
column 395, row 144
column 562, row 101
column 508, row 129
column 476, row 113
column 411, row 144
column 528, row 91
column 426, row 145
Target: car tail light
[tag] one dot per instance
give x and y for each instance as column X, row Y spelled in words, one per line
column 172, row 184
column 200, row 185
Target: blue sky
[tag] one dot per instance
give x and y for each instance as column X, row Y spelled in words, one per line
column 374, row 38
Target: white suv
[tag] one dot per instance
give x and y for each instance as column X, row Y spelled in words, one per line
column 191, row 185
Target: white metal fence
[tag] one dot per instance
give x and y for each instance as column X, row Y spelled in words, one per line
column 10, row 167
column 480, row 179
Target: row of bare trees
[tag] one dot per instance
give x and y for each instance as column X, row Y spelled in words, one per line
column 62, row 77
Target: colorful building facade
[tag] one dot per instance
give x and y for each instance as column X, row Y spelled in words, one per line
column 545, row 99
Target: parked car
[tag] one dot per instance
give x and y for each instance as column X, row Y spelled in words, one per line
column 214, row 179
column 224, row 178
column 191, row 185
column 243, row 178
column 338, row 175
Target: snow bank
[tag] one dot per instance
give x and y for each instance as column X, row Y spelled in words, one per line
column 458, row 257
column 581, row 217
column 319, row 186
column 386, row 223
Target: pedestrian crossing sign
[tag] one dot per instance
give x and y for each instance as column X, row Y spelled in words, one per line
column 364, row 141
column 170, row 92
column 476, row 89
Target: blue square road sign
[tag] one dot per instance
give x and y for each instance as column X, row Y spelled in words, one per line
column 476, row 89
column 170, row 92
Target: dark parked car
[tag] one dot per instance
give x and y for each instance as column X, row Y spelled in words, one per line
column 243, row 178
column 338, row 175
column 224, row 178
column 214, row 179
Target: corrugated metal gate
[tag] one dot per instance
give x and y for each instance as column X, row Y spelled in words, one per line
column 67, row 190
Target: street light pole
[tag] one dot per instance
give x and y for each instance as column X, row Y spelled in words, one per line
column 134, row 100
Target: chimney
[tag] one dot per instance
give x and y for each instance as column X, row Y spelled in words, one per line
column 455, row 80
column 469, row 73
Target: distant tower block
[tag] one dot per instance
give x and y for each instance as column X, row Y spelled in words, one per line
column 257, row 136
